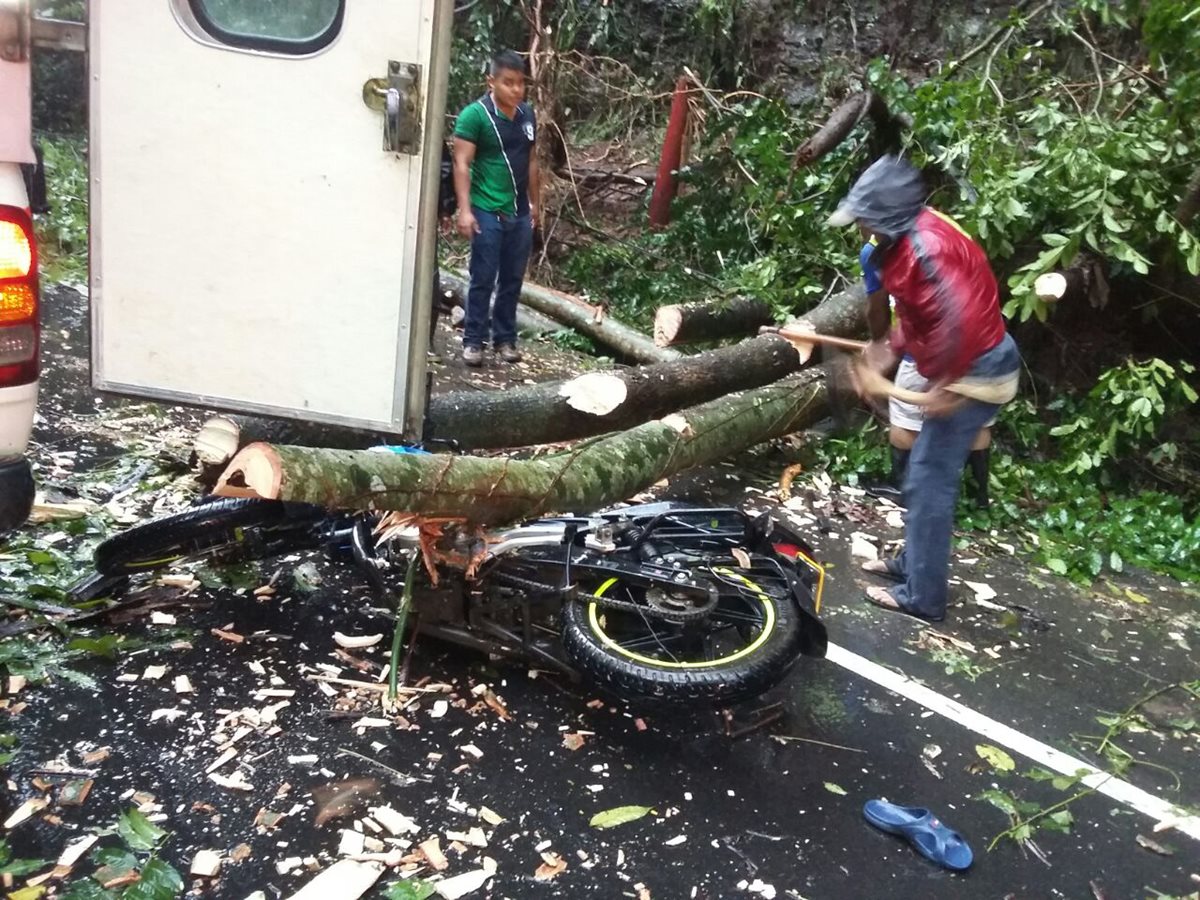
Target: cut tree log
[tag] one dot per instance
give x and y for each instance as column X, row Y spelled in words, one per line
column 1083, row 279
column 553, row 412
column 581, row 316
column 686, row 323
column 484, row 491
column 529, row 321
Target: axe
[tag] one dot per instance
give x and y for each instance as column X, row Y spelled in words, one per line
column 871, row 382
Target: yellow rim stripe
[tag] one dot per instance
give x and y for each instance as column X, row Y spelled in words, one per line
column 768, row 628
column 820, row 570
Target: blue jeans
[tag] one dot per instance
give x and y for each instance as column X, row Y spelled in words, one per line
column 931, row 489
column 499, row 254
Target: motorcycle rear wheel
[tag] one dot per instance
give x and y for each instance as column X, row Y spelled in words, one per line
column 743, row 647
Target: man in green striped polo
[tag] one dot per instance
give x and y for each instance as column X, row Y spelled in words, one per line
column 496, row 181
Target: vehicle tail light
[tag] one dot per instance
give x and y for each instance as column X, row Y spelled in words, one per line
column 18, row 298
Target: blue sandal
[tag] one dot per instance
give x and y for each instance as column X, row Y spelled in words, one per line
column 931, row 838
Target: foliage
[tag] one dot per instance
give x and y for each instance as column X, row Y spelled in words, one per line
column 60, row 77
column 63, row 232
column 15, row 868
column 1039, row 178
column 734, row 228
column 1134, row 400
column 156, row 879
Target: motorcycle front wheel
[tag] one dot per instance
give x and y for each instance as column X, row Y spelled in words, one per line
column 741, row 647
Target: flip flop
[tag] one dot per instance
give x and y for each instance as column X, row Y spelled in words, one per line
column 921, row 828
column 898, row 608
column 891, row 568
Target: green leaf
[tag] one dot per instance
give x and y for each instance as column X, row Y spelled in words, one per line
column 28, row 893
column 1054, row 240
column 85, row 890
column 413, row 889
column 1000, row 800
column 159, row 881
column 1057, row 566
column 1115, row 562
column 619, row 815
column 104, row 646
column 138, row 832
column 996, row 758
column 19, row 867
column 835, row 789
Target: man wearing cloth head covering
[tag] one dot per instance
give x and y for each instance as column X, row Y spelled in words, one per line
column 948, row 321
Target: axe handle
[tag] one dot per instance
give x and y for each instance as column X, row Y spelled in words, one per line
column 812, row 337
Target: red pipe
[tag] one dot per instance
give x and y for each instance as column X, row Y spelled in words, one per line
column 666, row 184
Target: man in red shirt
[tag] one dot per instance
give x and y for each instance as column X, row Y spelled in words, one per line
column 949, row 322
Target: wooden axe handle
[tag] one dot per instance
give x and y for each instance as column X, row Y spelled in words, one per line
column 811, row 337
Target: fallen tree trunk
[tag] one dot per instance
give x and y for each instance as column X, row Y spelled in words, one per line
column 686, row 323
column 550, row 412
column 581, row 316
column 529, row 321
column 494, row 491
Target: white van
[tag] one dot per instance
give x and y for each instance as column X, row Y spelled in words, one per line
column 18, row 270
column 263, row 209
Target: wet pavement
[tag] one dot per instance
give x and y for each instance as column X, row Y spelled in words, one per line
column 776, row 812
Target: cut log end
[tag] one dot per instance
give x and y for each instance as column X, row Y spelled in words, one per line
column 217, row 441
column 667, row 322
column 597, row 393
column 1051, row 287
column 254, row 472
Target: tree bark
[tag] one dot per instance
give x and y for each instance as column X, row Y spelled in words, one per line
column 494, row 491
column 685, row 323
column 543, row 414
column 1189, row 203
column 581, row 316
column 842, row 121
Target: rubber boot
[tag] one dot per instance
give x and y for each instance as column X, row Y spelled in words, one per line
column 979, row 462
column 893, row 488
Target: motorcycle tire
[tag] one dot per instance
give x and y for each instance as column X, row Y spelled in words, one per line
column 747, row 673
column 210, row 529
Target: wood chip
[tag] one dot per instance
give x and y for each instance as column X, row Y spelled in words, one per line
column 552, row 866
column 162, row 618
column 235, row 783
column 75, row 850
column 461, row 885
column 492, row 818
column 473, row 837
column 396, row 823
column 240, row 853
column 573, row 740
column 356, row 642
column 352, row 843
column 75, row 793
column 183, row 685
column 206, row 864
column 95, row 757
column 154, row 673
column 16, row 683
column 432, row 850
column 221, row 760
column 471, row 750
column 265, row 591
column 231, row 636
column 26, row 811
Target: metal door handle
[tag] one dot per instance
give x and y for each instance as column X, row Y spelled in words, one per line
column 398, row 97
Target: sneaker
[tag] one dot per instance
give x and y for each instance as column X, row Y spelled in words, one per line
column 509, row 353
column 473, row 357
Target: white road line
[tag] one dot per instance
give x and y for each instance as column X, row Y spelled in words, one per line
column 1006, row 736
